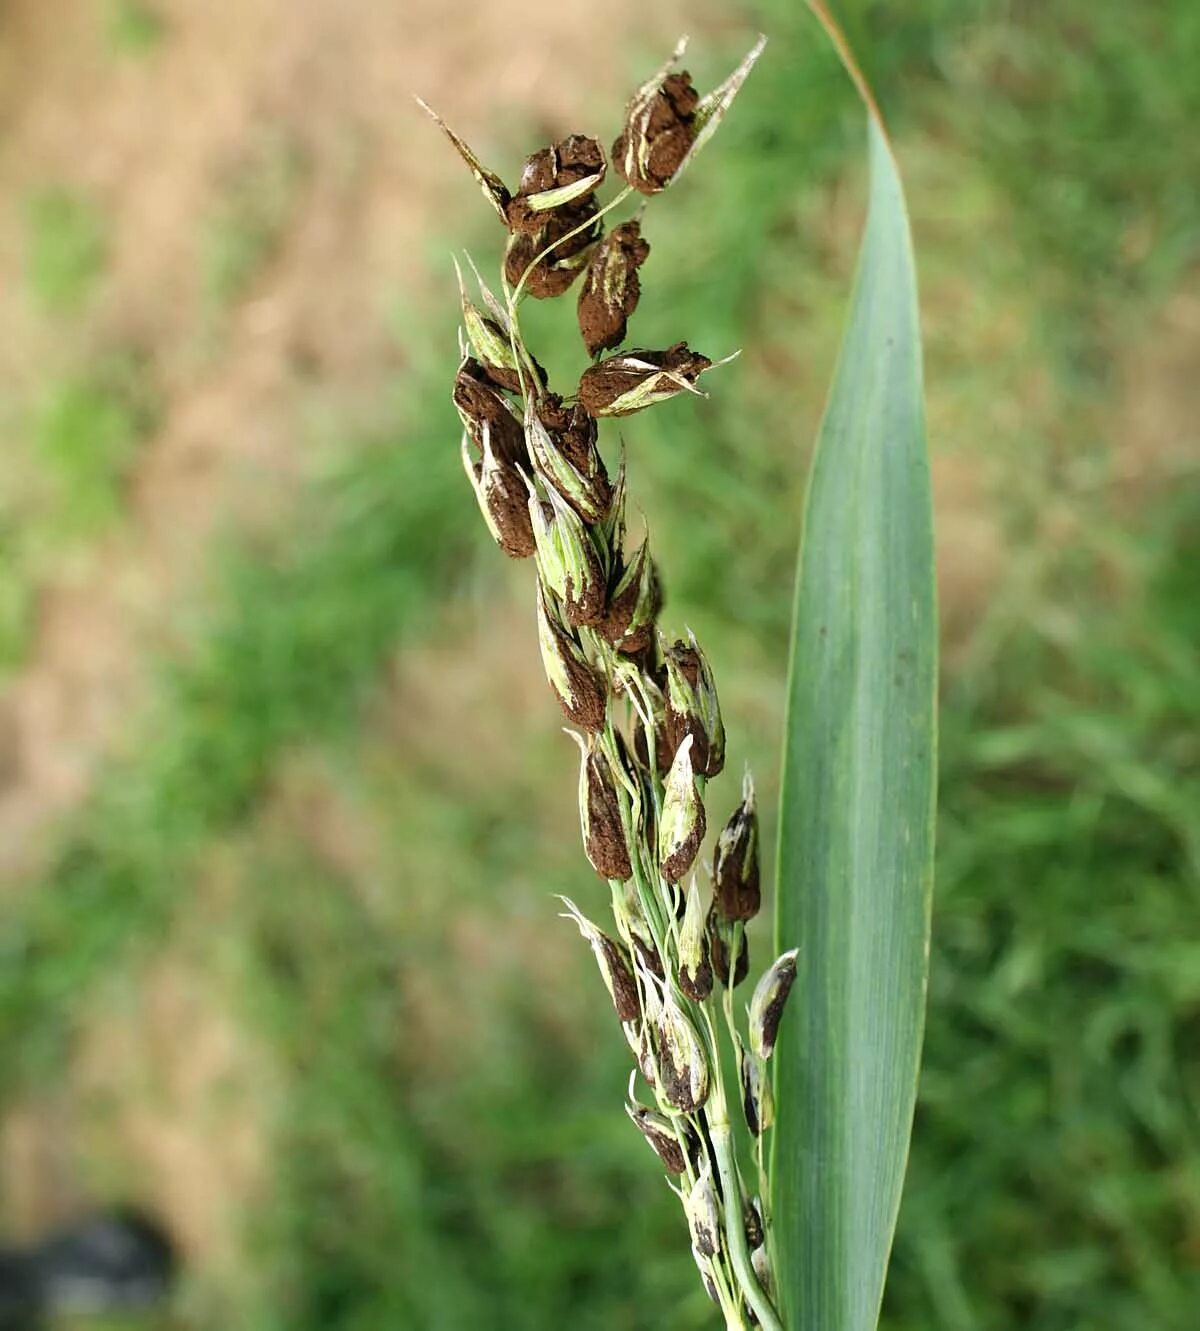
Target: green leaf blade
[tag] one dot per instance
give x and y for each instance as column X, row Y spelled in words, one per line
column 856, row 823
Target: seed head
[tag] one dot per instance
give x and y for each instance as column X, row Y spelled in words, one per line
column 682, row 1063
column 703, row 1215
column 758, row 1102
column 579, row 688
column 567, row 559
column 500, row 491
column 695, row 969
column 567, row 458
column 692, row 706
column 667, row 123
column 481, row 405
column 614, row 965
column 494, row 344
column 622, row 384
column 545, row 262
column 705, row 1267
column 768, row 1001
column 737, row 890
column 555, row 178
column 720, row 942
column 683, row 825
column 611, row 287
column 605, row 807
column 633, row 604
column 659, row 1131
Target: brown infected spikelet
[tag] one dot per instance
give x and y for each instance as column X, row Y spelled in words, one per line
column 768, row 1002
column 480, row 403
column 720, row 945
column 573, row 161
column 611, row 287
column 658, row 1131
column 655, row 141
column 737, row 888
column 692, row 707
column 580, row 690
column 500, row 489
column 604, row 831
column 622, row 384
column 573, row 433
column 569, row 234
column 649, row 956
column 620, row 978
column 634, row 604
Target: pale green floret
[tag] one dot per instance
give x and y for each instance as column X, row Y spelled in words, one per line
column 552, row 646
column 691, row 932
column 556, row 198
column 559, row 474
column 493, row 187
column 703, row 1216
column 681, row 1049
column 712, row 107
column 566, row 558
column 682, row 809
column 476, row 473
column 659, row 386
column 489, row 344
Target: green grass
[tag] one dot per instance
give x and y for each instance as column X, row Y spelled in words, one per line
column 66, row 247
column 64, row 483
column 245, row 228
column 1055, row 1175
column 134, row 28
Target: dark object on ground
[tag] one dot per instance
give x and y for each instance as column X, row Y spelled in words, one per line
column 107, row 1262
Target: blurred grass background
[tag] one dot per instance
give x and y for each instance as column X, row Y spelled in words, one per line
column 284, row 799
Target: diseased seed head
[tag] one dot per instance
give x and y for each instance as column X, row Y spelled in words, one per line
column 695, row 969
column 692, row 706
column 634, row 603
column 768, row 1001
column 611, row 288
column 737, row 888
column 544, row 263
column 567, row 559
column 578, row 686
column 752, row 1221
column 721, row 939
column 758, row 1103
column 567, row 460
column 704, row 1218
column 682, row 827
column 613, row 963
column 605, row 807
column 500, row 490
column 683, row 1074
column 666, row 123
column 632, row 380
column 482, row 406
column 660, row 1132
column 554, row 179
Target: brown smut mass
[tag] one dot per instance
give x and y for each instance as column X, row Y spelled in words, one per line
column 611, row 287
column 605, row 383
column 670, row 133
column 606, row 846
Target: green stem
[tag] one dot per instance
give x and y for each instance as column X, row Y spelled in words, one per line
column 735, row 1230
